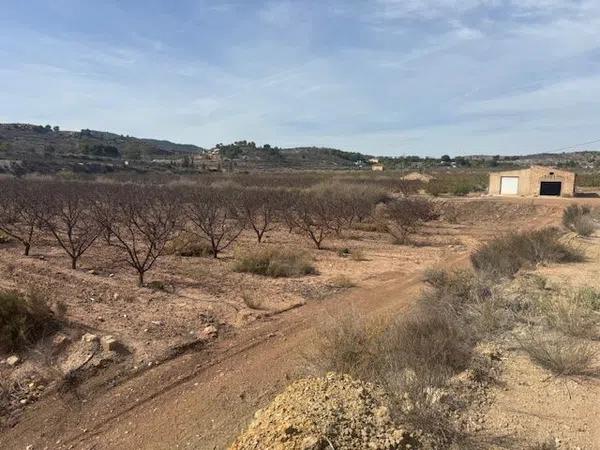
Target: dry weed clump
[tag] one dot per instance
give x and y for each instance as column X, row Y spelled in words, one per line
column 24, row 319
column 189, row 246
column 562, row 355
column 505, row 256
column 569, row 313
column 578, row 218
column 275, row 262
column 341, row 282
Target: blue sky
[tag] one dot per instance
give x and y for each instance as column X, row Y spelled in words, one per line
column 378, row 76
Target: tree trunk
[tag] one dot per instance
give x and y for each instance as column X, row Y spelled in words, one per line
column 27, row 247
column 140, row 278
column 73, row 262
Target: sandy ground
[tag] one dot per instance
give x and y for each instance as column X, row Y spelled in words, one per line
column 204, row 398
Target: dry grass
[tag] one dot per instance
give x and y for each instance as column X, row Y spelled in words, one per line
column 24, row 319
column 570, row 314
column 504, row 256
column 357, row 255
column 562, row 355
column 188, row 245
column 341, row 282
column 275, row 262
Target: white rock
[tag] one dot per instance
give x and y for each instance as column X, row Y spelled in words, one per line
column 13, row 360
column 208, row 332
column 89, row 337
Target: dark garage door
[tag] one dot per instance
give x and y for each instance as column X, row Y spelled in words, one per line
column 550, row 188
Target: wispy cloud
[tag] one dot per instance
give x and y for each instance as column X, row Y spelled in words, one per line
column 383, row 77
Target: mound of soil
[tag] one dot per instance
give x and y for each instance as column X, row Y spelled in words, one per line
column 334, row 411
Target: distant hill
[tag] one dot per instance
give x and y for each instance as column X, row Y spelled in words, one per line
column 247, row 155
column 26, row 140
column 26, row 148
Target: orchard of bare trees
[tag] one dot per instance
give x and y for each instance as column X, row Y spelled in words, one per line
column 139, row 220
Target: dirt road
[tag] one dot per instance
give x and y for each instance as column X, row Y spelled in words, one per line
column 199, row 400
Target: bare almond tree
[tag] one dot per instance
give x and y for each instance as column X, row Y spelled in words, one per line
column 142, row 220
column 403, row 216
column 214, row 216
column 19, row 205
column 67, row 214
column 314, row 216
column 260, row 207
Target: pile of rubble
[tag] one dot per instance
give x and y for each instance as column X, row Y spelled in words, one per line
column 334, row 411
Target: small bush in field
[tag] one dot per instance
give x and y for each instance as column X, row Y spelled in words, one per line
column 461, row 189
column 585, row 226
column 343, row 252
column 4, row 238
column 358, row 255
column 570, row 313
column 573, row 213
column 274, row 262
column 562, row 355
column 504, row 256
column 187, row 245
column 23, row 320
column 588, row 297
column 342, row 282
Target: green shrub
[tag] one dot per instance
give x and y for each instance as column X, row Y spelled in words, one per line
column 23, row 320
column 275, row 262
column 461, row 189
column 4, row 238
column 504, row 256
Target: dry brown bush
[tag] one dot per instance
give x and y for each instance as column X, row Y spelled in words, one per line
column 274, row 262
column 188, row 245
column 341, row 282
column 24, row 318
column 504, row 256
column 562, row 355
